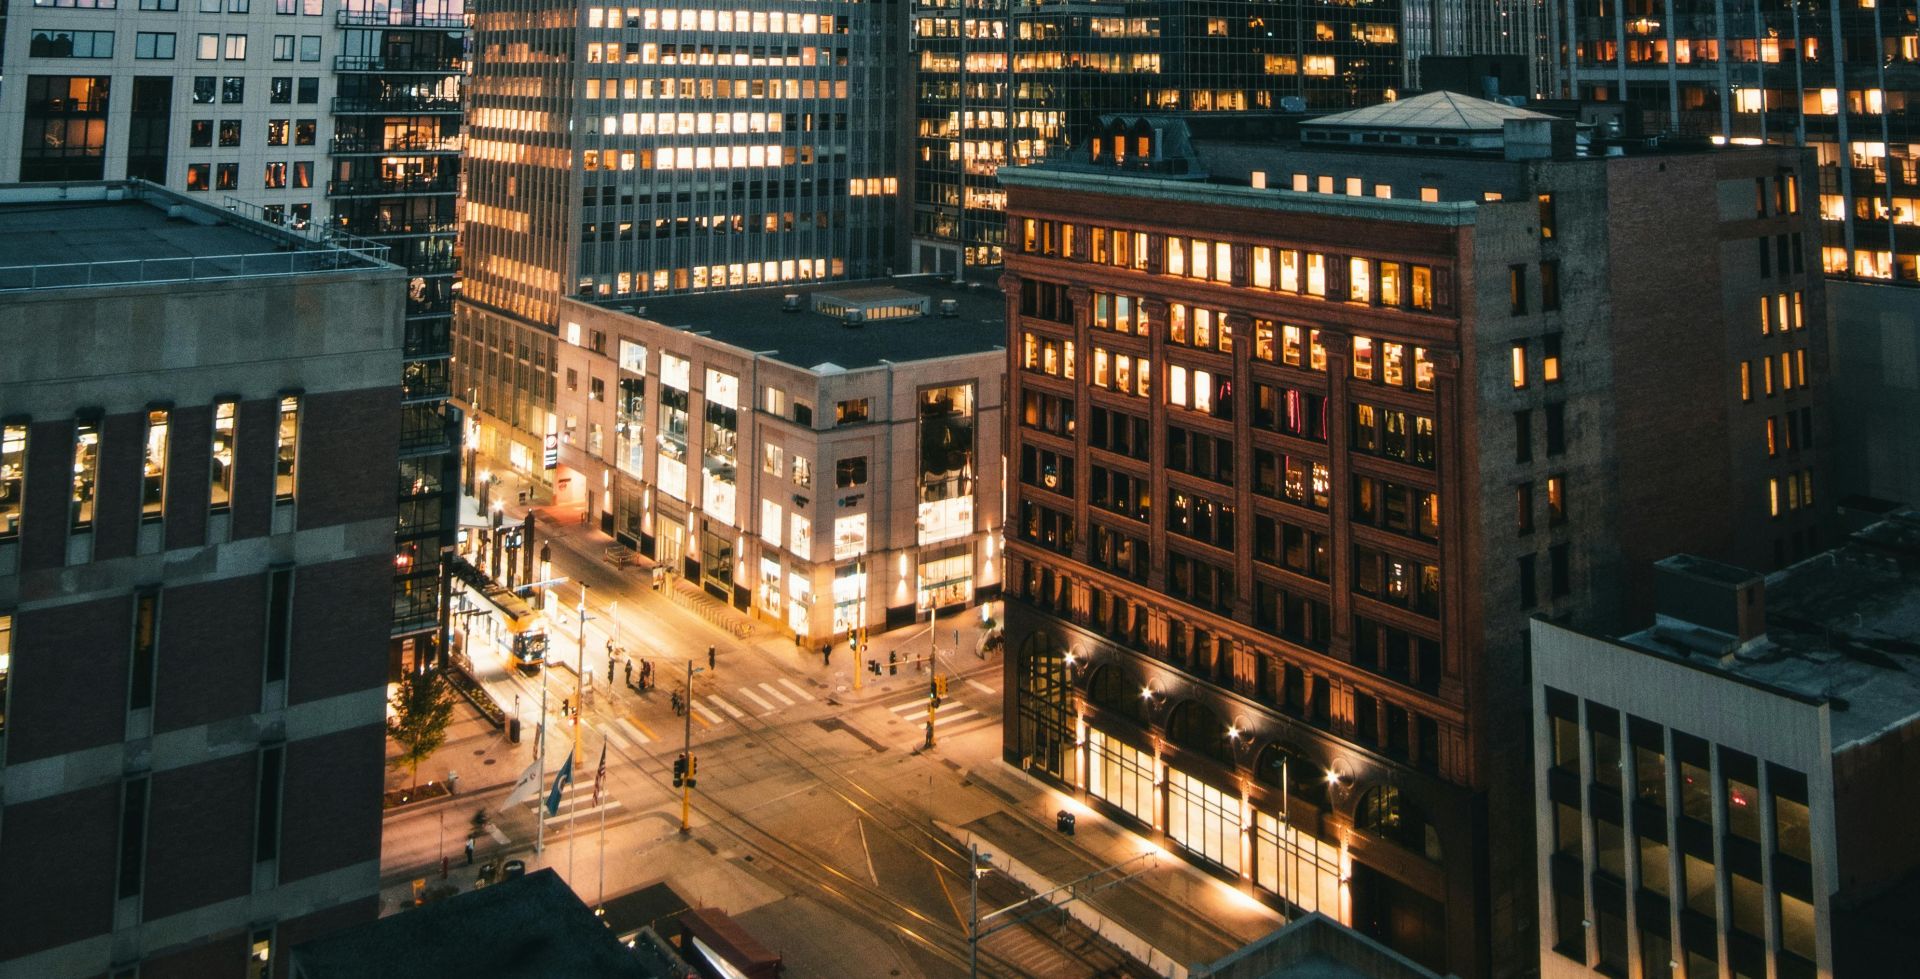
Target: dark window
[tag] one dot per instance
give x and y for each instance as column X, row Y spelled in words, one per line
column 1517, row 288
column 1523, row 507
column 229, row 132
column 133, row 835
column 1556, row 429
column 267, row 827
column 309, row 91
column 148, row 127
column 146, row 635
column 204, row 88
column 1523, row 436
column 280, row 90
column 1528, row 597
column 200, row 132
column 233, row 89
column 1550, row 285
column 850, row 472
column 279, row 621
column 1560, row 573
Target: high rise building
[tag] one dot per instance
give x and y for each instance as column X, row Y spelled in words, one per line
column 1001, row 83
column 194, row 548
column 1466, row 28
column 1307, row 431
column 1833, row 77
column 346, row 126
column 640, row 151
column 1727, row 790
column 395, row 152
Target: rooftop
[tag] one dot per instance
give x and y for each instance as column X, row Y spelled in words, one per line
column 899, row 320
column 1842, row 628
column 531, row 926
column 97, row 234
column 1433, row 111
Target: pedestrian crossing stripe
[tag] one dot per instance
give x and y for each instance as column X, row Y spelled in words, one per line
column 750, row 695
column 776, row 694
column 638, row 734
column 615, row 739
column 790, row 685
column 721, row 702
column 706, row 714
column 909, row 706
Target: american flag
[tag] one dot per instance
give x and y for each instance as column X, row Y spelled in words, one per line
column 600, row 775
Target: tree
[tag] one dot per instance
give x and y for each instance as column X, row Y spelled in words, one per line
column 422, row 709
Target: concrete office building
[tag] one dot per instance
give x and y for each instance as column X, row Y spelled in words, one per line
column 1833, row 77
column 845, row 472
column 1307, row 430
column 321, row 117
column 1007, row 84
column 194, row 558
column 1727, row 792
column 644, row 151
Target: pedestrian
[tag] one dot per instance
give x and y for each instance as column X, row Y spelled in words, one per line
column 469, row 851
column 676, row 703
column 826, row 654
column 629, row 673
column 609, row 669
column 564, row 710
column 710, row 656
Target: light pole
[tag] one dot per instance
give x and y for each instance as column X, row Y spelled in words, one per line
column 686, row 751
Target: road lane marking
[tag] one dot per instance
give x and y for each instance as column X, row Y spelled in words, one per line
column 615, row 739
column 790, row 685
column 955, row 715
column 721, row 702
column 983, row 688
column 609, row 804
column 750, row 695
column 911, row 705
column 633, row 732
column 707, row 716
column 776, row 694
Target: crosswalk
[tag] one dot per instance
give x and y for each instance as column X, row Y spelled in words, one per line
column 950, row 712
column 576, row 800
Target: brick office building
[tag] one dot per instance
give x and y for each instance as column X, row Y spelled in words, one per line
column 1305, row 432
column 195, row 568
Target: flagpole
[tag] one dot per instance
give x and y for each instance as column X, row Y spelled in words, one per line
column 540, row 759
column 601, row 903
column 580, row 703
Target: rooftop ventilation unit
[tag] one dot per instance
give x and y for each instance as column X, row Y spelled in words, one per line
column 949, row 308
column 790, row 303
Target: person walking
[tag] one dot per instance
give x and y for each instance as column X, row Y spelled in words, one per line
column 629, row 673
column 711, row 650
column 826, row 654
column 565, row 709
column 469, row 851
column 609, row 669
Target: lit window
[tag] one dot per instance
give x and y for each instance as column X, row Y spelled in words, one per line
column 288, row 449
column 1746, row 381
column 1422, row 369
column 1363, row 358
column 1360, row 280
column 1773, row 497
column 1550, row 361
column 153, row 490
column 1430, row 195
column 86, row 471
column 13, row 472
column 1772, row 445
column 1520, row 364
column 1546, row 215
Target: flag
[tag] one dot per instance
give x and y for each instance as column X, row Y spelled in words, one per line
column 563, row 776
column 524, row 787
column 601, row 775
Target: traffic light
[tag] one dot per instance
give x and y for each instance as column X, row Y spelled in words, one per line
column 873, row 667
column 693, row 765
column 940, row 685
column 679, row 770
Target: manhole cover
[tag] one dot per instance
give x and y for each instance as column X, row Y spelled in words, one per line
column 480, row 751
column 488, row 762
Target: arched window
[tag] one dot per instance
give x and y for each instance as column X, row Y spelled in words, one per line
column 1383, row 813
column 1196, row 727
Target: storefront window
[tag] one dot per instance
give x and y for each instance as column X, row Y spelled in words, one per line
column 1292, row 864
column 946, row 468
column 799, row 603
column 770, row 586
column 849, row 536
column 1203, row 819
column 630, row 413
column 1045, row 703
column 671, row 473
column 1121, row 775
column 946, row 576
column 849, row 597
column 716, row 561
column 720, row 445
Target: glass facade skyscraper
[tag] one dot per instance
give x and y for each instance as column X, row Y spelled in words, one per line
column 634, row 151
column 1836, row 77
column 1010, row 82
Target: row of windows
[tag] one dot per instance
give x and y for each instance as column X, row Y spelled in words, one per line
column 1789, row 432
column 1787, row 494
column 226, row 176
column 311, row 8
column 200, row 132
column 155, row 458
column 1792, row 373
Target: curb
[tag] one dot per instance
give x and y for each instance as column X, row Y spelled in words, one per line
column 422, row 805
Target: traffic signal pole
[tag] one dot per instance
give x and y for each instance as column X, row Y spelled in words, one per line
column 686, row 783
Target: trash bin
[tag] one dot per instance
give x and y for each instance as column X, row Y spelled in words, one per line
column 1063, row 821
column 513, row 729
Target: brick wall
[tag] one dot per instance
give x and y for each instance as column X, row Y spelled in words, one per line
column 340, row 627
column 116, row 515
column 332, row 801
column 340, row 433
column 71, row 893
column 212, row 642
column 43, row 522
column 69, row 683
column 189, row 471
column 221, row 956
column 257, row 435
column 200, row 828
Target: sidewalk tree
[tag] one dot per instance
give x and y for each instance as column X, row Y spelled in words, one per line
column 422, row 710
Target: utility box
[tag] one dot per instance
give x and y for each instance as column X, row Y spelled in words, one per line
column 1063, row 821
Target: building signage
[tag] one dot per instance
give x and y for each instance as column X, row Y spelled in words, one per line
column 553, row 450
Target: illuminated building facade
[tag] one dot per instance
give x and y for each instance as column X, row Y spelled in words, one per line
column 1301, row 445
column 647, row 151
column 1010, row 83
column 826, row 459
column 1834, row 77
column 395, row 159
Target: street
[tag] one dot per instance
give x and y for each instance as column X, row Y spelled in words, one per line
column 812, row 821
